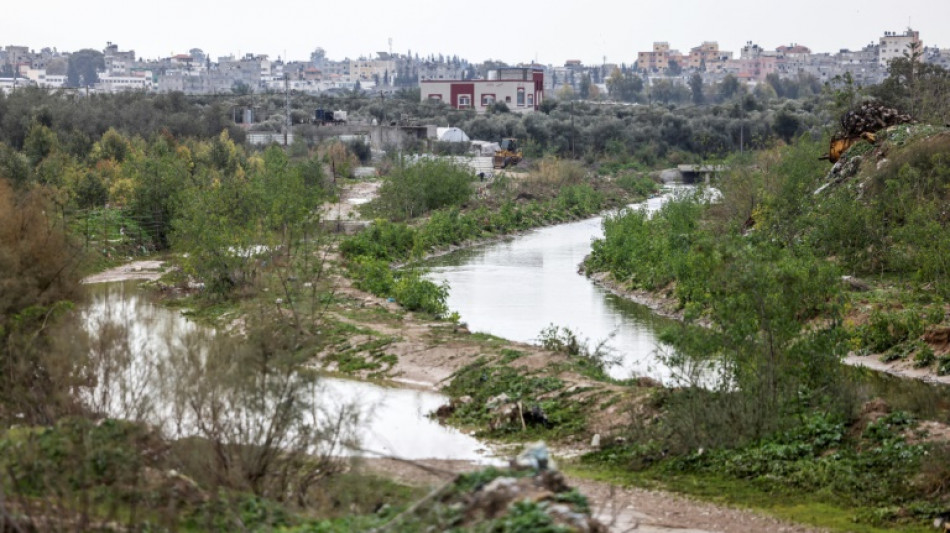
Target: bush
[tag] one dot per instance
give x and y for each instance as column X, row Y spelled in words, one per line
column 416, row 293
column 423, row 186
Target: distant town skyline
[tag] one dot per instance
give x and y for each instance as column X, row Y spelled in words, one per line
column 527, row 31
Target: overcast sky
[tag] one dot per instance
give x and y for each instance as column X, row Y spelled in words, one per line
column 522, row 30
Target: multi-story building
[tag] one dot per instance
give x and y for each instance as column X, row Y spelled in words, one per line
column 895, row 45
column 707, row 56
column 43, row 79
column 117, row 84
column 118, row 63
column 658, row 59
column 520, row 88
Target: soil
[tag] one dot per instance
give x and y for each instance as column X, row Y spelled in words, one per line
column 622, row 509
column 900, row 368
column 351, row 197
column 136, row 270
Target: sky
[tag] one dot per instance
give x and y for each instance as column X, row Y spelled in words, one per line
column 547, row 32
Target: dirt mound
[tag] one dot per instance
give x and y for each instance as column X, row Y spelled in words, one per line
column 530, row 495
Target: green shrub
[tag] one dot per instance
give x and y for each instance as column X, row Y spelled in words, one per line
column 418, row 188
column 416, row 293
column 887, row 329
column 389, row 241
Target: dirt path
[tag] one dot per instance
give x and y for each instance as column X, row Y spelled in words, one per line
column 622, row 509
column 900, row 368
column 136, row 270
column 351, row 197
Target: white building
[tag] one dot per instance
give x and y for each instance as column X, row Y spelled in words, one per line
column 520, row 88
column 116, row 84
column 42, row 79
column 894, row 45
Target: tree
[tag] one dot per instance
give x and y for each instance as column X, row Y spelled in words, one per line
column 83, row 68
column 624, row 86
column 786, row 125
column 39, row 276
column 696, row 86
column 674, row 68
column 584, row 89
column 317, row 56
column 729, row 86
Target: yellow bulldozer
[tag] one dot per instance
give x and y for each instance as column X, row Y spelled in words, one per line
column 508, row 154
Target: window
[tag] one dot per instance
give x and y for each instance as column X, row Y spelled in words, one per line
column 521, row 96
column 530, row 100
column 488, row 99
column 435, row 97
column 465, row 100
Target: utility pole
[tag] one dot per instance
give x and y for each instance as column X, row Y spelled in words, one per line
column 286, row 107
column 572, row 127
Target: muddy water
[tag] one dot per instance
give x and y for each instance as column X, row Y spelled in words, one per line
column 516, row 288
column 140, row 335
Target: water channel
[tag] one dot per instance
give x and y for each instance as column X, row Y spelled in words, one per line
column 515, row 288
column 141, row 335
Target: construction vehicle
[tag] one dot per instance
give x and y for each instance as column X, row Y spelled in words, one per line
column 323, row 117
column 507, row 154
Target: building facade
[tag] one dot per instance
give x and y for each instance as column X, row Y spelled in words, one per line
column 894, row 45
column 520, row 88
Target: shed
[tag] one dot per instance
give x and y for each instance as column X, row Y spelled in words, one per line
column 453, row 135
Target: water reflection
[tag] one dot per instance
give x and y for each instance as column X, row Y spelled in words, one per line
column 516, row 288
column 145, row 357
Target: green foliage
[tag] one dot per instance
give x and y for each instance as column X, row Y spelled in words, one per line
column 529, row 517
column 229, row 225
column 640, row 186
column 416, row 293
column 416, row 189
column 75, row 454
column 893, row 224
column 650, row 252
column 888, row 329
column 482, row 381
column 83, row 67
column 389, row 241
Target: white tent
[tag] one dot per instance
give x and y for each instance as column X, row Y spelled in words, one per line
column 452, row 135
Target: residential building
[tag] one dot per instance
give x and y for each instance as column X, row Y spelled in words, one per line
column 118, row 84
column 659, row 58
column 520, row 88
column 707, row 57
column 895, row 45
column 118, row 63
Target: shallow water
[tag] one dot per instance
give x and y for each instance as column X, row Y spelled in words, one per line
column 516, row 288
column 140, row 335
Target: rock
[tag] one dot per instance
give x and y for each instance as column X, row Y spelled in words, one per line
column 536, row 416
column 856, row 284
column 444, row 411
column 595, row 441
column 535, row 457
column 465, row 400
column 494, row 401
